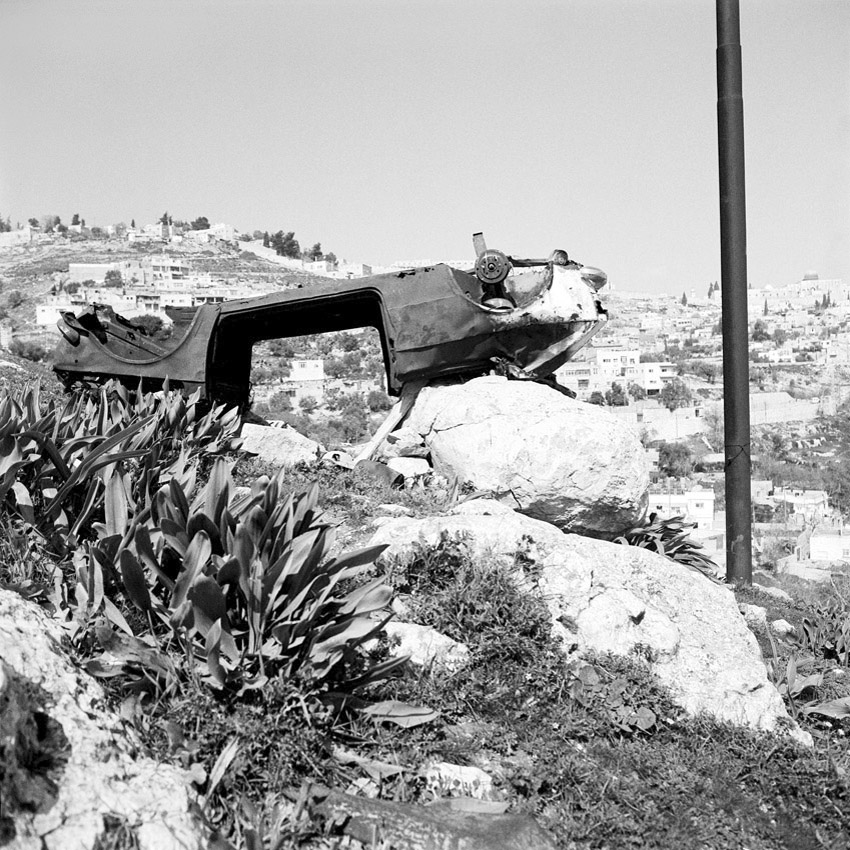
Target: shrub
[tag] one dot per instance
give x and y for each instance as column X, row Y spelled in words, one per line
column 65, row 467
column 669, row 537
column 242, row 589
column 29, row 350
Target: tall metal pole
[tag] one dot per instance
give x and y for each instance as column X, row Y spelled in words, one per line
column 733, row 265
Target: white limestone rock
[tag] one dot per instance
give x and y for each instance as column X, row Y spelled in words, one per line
column 390, row 509
column 97, row 773
column 550, row 456
column 443, row 779
column 284, row 447
column 409, row 467
column 426, row 646
column 754, row 615
column 782, row 628
column 611, row 598
column 403, row 442
column 775, row 592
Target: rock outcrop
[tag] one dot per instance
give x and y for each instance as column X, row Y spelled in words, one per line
column 69, row 772
column 621, row 599
column 550, row 456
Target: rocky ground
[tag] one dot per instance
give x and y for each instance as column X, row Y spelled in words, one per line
column 563, row 691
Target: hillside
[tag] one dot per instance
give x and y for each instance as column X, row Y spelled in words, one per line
column 35, row 268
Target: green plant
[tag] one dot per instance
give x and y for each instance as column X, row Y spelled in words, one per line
column 242, row 589
column 827, row 632
column 669, row 537
column 63, row 467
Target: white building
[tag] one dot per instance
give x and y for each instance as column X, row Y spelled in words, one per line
column 81, row 272
column 830, row 544
column 14, row 238
column 810, row 506
column 602, row 365
column 695, row 504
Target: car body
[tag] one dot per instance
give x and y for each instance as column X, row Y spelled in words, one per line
column 434, row 321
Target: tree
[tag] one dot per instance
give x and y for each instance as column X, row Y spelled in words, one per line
column 759, row 333
column 616, row 397
column 72, row 288
column 330, row 257
column 14, row 298
column 315, row 253
column 112, row 280
column 378, row 400
column 75, row 219
column 308, row 404
column 285, row 244
column 165, row 218
column 280, row 402
column 33, row 222
column 596, row 397
column 711, row 290
column 684, row 300
column 201, row 223
column 266, row 239
column 766, row 311
column 49, row 221
column 675, row 394
column 706, row 369
column 133, row 223
column 636, row 391
column 675, row 460
column 29, row 350
column 780, row 337
column 153, row 326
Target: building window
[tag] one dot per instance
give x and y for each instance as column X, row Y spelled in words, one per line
column 698, row 504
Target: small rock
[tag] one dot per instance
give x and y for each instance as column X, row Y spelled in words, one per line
column 409, row 467
column 443, row 779
column 283, row 447
column 782, row 628
column 405, row 442
column 426, row 646
column 394, row 510
column 755, row 615
column 775, row 592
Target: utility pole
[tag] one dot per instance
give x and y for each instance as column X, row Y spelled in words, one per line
column 733, row 264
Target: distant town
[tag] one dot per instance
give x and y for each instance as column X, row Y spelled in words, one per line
column 657, row 364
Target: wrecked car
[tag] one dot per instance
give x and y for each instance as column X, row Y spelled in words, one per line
column 434, row 322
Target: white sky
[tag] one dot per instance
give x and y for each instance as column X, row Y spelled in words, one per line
column 392, row 129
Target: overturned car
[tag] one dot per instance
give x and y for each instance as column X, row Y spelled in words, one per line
column 436, row 321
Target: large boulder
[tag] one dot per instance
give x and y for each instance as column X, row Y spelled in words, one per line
column 548, row 455
column 69, row 774
column 621, row 599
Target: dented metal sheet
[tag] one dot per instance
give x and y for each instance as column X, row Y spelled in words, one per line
column 433, row 322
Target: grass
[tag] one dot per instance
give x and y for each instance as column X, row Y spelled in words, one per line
column 562, row 752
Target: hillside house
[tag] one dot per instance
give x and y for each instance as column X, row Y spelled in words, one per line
column 695, row 504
